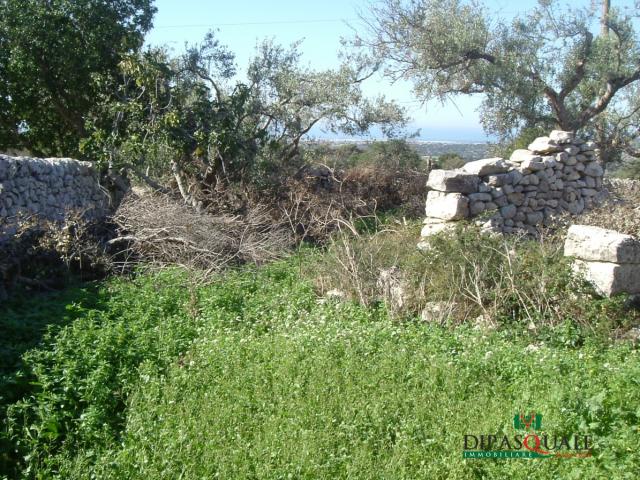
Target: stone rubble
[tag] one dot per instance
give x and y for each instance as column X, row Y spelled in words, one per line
column 556, row 174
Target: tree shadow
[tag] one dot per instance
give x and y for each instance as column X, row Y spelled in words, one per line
column 24, row 321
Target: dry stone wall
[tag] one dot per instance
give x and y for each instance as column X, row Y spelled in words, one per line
column 556, row 174
column 48, row 188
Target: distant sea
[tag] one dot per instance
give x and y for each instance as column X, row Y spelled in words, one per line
column 464, row 135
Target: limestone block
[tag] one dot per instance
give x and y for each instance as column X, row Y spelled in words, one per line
column 435, row 228
column 561, row 136
column 487, row 166
column 544, row 145
column 453, row 181
column 610, row 278
column 519, row 156
column 447, row 206
column 602, row 245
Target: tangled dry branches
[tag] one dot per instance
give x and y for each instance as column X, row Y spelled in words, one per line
column 162, row 231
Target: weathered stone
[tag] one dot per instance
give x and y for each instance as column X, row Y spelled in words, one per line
column 610, row 278
column 436, row 312
column 544, row 145
column 453, row 181
column 535, row 218
column 572, row 150
column 435, row 228
column 480, row 197
column 532, row 165
column 561, row 136
column 476, row 208
column 519, row 156
column 593, row 169
column 487, row 166
column 447, row 206
column 497, row 180
column 598, row 244
column 516, row 198
column 508, row 211
column 483, row 187
column 501, row 201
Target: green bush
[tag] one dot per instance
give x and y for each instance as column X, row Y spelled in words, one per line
column 506, row 280
column 394, row 155
column 449, row 161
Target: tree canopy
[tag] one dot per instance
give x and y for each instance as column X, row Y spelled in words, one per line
column 544, row 68
column 55, row 57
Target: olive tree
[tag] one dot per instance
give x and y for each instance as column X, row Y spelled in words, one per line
column 205, row 123
column 545, row 68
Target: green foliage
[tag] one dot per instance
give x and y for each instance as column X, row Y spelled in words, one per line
column 392, row 155
column 208, row 124
column 501, row 280
column 251, row 376
column 449, row 161
column 522, row 140
column 55, row 58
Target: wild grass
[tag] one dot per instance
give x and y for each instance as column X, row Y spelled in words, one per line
column 253, row 377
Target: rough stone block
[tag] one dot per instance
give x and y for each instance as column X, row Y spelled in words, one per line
column 447, row 206
column 532, row 165
column 544, row 145
column 453, row 181
column 561, row 136
column 508, row 211
column 435, row 228
column 593, row 169
column 487, row 166
column 519, row 156
column 572, row 150
column 610, row 278
column 602, row 245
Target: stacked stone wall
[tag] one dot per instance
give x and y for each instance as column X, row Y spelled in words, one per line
column 557, row 174
column 48, row 188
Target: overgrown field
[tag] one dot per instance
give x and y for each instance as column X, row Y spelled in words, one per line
column 255, row 376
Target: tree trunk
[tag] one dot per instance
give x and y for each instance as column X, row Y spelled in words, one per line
column 604, row 28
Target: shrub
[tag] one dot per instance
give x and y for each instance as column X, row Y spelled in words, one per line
column 475, row 277
column 449, row 161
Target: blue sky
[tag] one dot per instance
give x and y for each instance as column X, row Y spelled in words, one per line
column 240, row 24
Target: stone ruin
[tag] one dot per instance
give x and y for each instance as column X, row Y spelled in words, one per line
column 557, row 174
